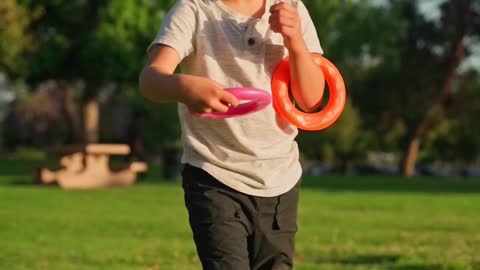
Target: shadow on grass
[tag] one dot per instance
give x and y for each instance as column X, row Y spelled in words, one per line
column 393, row 184
column 20, row 183
column 435, row 266
column 373, row 259
column 422, row 267
column 387, row 261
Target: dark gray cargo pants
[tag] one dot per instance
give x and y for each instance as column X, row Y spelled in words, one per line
column 233, row 230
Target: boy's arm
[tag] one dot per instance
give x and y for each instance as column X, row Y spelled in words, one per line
column 306, row 78
column 157, row 81
column 159, row 84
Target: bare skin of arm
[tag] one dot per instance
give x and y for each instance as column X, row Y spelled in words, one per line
column 307, row 80
column 159, row 84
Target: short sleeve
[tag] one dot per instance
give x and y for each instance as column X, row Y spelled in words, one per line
column 309, row 32
column 178, row 28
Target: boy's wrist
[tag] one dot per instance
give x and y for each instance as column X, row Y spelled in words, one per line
column 296, row 46
column 184, row 82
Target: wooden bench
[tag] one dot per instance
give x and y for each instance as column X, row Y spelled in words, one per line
column 88, row 168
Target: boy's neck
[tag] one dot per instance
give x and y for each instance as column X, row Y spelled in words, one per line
column 252, row 8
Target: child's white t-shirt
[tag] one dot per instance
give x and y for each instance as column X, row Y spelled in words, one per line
column 255, row 154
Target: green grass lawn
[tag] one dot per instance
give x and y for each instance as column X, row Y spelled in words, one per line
column 345, row 223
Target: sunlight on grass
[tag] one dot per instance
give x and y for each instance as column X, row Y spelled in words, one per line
column 345, row 223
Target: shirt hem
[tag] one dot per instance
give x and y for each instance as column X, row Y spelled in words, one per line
column 238, row 186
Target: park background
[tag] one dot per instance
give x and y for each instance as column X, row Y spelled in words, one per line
column 393, row 184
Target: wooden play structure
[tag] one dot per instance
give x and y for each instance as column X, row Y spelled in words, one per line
column 89, row 168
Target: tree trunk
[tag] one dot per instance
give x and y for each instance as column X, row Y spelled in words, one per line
column 408, row 164
column 411, row 153
column 91, row 119
column 70, row 109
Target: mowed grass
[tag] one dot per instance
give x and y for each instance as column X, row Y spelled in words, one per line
column 345, row 223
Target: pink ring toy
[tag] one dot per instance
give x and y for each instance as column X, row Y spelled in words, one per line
column 258, row 100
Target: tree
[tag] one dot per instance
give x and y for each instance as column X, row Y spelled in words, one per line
column 460, row 131
column 91, row 44
column 413, row 78
column 356, row 36
column 456, row 24
column 401, row 69
column 338, row 144
column 14, row 39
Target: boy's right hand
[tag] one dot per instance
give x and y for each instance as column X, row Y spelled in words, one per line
column 202, row 95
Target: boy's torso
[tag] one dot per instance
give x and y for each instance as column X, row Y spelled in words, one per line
column 255, row 154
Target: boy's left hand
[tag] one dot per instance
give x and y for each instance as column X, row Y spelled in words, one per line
column 284, row 19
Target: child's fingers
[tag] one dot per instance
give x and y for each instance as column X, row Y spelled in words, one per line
column 218, row 106
column 229, row 99
column 280, row 15
column 284, row 18
column 282, row 6
column 284, row 21
column 284, row 13
column 284, row 25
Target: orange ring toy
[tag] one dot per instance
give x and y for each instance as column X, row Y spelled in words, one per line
column 309, row 121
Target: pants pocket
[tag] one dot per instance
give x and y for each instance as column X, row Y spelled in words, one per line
column 287, row 211
column 207, row 200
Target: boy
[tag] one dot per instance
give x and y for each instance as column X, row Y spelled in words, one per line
column 241, row 175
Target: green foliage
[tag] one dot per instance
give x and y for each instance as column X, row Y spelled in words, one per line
column 160, row 121
column 457, row 130
column 356, row 35
column 28, row 154
column 116, row 50
column 408, row 58
column 344, row 139
column 14, row 40
column 98, row 42
column 94, row 44
column 361, row 39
